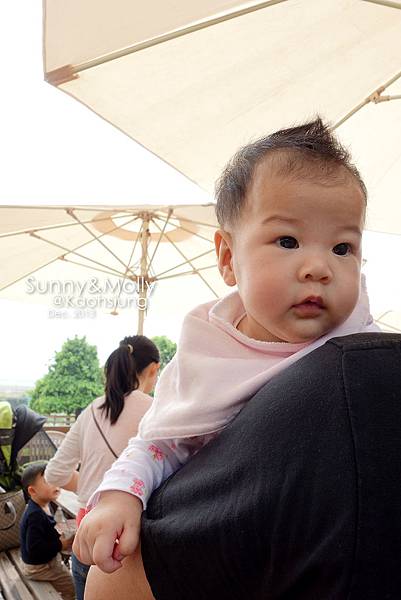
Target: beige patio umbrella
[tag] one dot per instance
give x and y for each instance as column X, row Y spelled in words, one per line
column 191, row 81
column 81, row 258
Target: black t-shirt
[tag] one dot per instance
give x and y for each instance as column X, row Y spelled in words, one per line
column 40, row 541
column 299, row 497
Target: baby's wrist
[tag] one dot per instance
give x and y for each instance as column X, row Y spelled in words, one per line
column 121, row 497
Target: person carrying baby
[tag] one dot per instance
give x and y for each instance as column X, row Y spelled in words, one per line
column 291, row 208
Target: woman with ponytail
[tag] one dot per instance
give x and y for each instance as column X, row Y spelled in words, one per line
column 103, row 429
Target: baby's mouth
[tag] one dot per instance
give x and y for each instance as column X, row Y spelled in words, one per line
column 313, row 301
column 310, row 306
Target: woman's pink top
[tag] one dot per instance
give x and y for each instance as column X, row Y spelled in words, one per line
column 84, row 444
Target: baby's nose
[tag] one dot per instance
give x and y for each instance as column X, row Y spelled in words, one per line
column 315, row 269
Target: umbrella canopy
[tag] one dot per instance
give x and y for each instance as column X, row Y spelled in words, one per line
column 110, row 258
column 192, row 81
column 79, row 259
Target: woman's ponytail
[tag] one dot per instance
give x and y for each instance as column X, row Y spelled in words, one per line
column 122, row 369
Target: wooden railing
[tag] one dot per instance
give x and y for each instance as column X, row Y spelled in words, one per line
column 59, row 421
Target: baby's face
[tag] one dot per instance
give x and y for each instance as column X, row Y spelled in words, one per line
column 295, row 255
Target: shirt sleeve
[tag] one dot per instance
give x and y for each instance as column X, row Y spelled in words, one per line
column 144, row 465
column 61, row 467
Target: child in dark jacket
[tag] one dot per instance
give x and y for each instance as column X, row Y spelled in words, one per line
column 40, row 542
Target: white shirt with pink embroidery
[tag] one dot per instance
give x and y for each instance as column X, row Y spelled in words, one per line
column 215, row 371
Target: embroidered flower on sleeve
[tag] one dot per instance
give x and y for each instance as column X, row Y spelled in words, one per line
column 137, row 487
column 156, row 452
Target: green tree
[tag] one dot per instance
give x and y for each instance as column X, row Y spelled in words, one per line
column 73, row 380
column 167, row 349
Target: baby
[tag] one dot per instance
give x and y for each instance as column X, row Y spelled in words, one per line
column 291, row 208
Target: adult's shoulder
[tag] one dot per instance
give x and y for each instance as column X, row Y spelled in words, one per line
column 85, row 415
column 136, row 404
column 96, row 404
column 139, row 398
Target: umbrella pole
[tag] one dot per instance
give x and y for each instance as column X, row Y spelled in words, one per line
column 143, row 273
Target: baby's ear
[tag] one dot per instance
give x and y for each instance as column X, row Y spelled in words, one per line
column 223, row 245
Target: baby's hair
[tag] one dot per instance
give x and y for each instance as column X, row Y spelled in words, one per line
column 30, row 474
column 296, row 150
column 122, row 369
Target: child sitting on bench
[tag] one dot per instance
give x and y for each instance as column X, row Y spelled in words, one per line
column 41, row 544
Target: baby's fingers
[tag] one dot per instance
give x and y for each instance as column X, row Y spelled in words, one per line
column 103, row 555
column 81, row 549
column 127, row 542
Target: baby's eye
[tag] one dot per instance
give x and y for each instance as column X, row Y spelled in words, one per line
column 342, row 249
column 288, row 242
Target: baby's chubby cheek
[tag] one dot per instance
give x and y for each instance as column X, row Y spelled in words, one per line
column 351, row 299
column 266, row 311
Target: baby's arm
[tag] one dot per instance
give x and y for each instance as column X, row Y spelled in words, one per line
column 117, row 504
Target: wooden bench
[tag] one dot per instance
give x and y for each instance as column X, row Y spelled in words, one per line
column 13, row 584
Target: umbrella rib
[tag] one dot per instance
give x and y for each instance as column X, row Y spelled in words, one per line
column 92, row 268
column 186, row 273
column 189, row 262
column 92, row 260
column 392, row 327
column 101, row 235
column 59, row 226
column 126, row 271
column 374, row 97
column 386, row 312
column 183, row 263
column 186, row 220
column 71, row 212
column 30, row 273
column 57, row 257
column 89, row 241
column 170, row 212
column 59, row 75
column 202, row 237
column 180, row 219
column 379, row 320
column 133, row 251
column 350, row 114
column 385, row 3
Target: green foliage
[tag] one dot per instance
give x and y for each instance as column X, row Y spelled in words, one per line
column 167, row 349
column 73, row 381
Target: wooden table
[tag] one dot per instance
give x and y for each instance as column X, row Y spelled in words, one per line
column 68, row 501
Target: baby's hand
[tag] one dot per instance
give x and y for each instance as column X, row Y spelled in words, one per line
column 117, row 516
